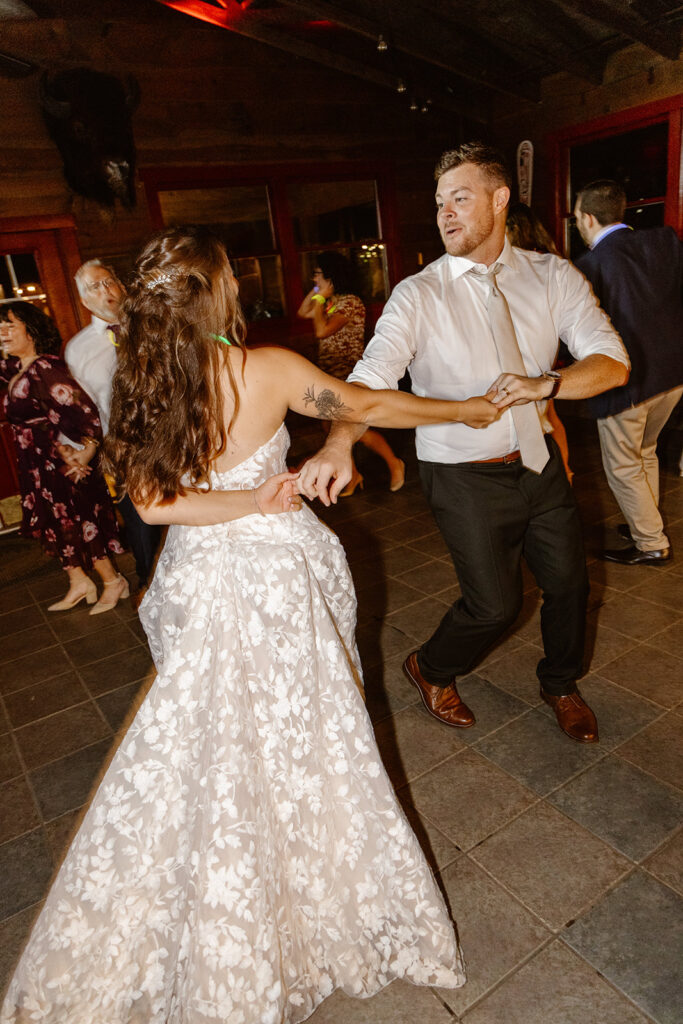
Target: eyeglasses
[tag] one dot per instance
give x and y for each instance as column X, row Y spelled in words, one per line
column 105, row 284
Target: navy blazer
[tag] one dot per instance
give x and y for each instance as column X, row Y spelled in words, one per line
column 637, row 276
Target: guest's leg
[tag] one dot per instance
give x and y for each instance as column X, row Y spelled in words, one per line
column 553, row 549
column 143, row 539
column 482, row 519
column 621, row 443
column 659, row 411
column 377, row 443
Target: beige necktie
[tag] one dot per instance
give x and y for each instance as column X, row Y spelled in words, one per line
column 526, row 419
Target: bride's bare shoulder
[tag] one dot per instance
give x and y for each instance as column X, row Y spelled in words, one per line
column 270, row 360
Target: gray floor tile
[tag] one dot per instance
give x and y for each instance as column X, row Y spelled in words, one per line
column 622, row 805
column 77, row 622
column 603, row 644
column 433, row 545
column 117, row 670
column 515, row 673
column 10, row 765
column 19, row 619
column 408, row 530
column 119, row 704
column 648, row 671
column 534, row 750
column 666, row 589
column 437, row 848
column 619, row 712
column 419, row 620
column 53, row 738
column 555, row 987
column 492, row 707
column 18, row 645
column 389, row 595
column 410, row 744
column 658, row 750
column 33, row 668
column 13, row 934
column 12, row 598
column 667, row 863
column 399, row 1003
column 468, row 798
column 496, row 932
column 66, row 784
column 432, row 577
column 376, row 645
column 396, row 682
column 25, row 871
column 45, row 698
column 620, row 577
column 552, row 865
column 670, row 640
column 18, row 813
column 636, row 617
column 49, row 587
column 109, row 640
column 400, row 559
column 61, row 831
column 634, row 937
column 504, row 648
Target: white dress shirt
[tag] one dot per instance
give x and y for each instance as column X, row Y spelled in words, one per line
column 91, row 358
column 436, row 324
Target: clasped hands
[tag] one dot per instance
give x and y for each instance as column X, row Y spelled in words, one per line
column 77, row 460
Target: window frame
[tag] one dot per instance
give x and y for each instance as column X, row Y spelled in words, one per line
column 669, row 111
column 276, row 178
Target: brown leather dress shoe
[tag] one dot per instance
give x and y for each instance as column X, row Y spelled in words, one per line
column 574, row 717
column 443, row 702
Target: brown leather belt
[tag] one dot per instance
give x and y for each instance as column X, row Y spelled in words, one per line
column 510, row 457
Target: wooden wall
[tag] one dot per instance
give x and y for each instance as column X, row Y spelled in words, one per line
column 634, row 76
column 208, row 97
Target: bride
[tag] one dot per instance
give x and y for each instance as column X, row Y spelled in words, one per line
column 245, row 854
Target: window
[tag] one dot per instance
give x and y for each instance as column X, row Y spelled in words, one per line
column 641, row 148
column 275, row 220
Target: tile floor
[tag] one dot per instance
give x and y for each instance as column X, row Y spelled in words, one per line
column 562, row 864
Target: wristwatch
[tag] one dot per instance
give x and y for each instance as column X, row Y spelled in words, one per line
column 556, row 378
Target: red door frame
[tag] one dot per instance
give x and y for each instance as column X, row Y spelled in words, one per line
column 277, row 176
column 559, row 144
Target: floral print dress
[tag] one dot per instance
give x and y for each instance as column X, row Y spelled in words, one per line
column 74, row 522
column 339, row 353
column 245, row 854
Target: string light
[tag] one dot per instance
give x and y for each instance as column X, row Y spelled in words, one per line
column 382, row 44
column 401, row 87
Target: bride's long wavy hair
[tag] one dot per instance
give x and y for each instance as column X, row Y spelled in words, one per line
column 167, row 423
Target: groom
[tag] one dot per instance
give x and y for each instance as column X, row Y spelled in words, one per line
column 487, row 316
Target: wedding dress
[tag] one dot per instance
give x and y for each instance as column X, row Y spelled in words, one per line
column 244, row 854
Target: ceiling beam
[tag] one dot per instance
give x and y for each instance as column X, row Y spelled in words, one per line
column 618, row 17
column 253, row 26
column 428, row 39
column 508, row 29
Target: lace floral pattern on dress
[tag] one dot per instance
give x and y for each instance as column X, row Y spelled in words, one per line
column 245, row 854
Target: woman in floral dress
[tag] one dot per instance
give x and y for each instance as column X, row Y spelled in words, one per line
column 338, row 317
column 66, row 505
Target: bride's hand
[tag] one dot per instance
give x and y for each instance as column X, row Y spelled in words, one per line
column 278, row 494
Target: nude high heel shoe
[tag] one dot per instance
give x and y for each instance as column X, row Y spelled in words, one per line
column 87, row 591
column 111, row 598
column 355, row 481
column 398, row 476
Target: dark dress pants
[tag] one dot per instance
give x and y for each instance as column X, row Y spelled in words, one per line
column 142, row 538
column 490, row 515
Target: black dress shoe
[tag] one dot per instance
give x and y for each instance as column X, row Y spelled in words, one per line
column 623, row 531
column 634, row 556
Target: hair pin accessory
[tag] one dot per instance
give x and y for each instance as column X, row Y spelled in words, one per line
column 219, row 337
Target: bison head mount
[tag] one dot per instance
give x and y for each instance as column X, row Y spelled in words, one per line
column 88, row 116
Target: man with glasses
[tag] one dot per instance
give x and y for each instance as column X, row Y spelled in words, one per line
column 91, row 358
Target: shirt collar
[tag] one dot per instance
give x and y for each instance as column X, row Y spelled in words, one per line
column 607, row 231
column 459, row 265
column 99, row 324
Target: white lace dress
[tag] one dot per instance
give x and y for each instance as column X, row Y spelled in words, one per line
column 245, row 854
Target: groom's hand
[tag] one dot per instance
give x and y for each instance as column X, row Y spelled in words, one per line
column 327, row 473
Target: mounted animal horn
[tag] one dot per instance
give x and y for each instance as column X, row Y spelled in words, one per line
column 60, row 109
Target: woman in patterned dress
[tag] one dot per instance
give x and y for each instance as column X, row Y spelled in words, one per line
column 338, row 317
column 66, row 505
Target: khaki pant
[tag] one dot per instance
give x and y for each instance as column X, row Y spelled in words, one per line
column 628, row 442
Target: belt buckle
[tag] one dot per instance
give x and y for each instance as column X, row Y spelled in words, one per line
column 510, row 457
